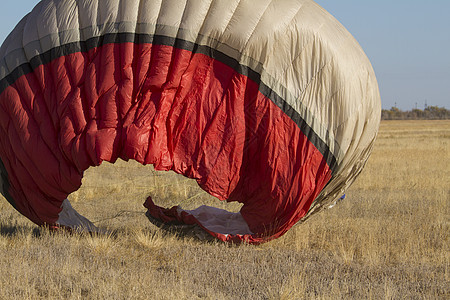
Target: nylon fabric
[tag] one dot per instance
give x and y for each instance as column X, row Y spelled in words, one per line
column 271, row 104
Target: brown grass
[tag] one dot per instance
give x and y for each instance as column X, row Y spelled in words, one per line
column 388, row 239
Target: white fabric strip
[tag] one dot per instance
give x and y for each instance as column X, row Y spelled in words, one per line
column 219, row 220
column 69, row 217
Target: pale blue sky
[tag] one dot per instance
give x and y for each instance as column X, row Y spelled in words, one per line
column 407, row 41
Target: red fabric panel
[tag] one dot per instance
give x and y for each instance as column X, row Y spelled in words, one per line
column 158, row 105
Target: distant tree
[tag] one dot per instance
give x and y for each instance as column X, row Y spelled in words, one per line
column 417, row 114
column 435, row 112
column 429, row 113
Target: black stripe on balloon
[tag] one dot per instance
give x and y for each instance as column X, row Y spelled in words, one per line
column 5, row 184
column 118, row 38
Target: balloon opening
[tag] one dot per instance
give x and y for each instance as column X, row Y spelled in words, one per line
column 125, row 185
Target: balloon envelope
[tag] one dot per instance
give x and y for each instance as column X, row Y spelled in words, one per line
column 269, row 103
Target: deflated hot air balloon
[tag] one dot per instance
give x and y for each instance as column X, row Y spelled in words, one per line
column 269, row 103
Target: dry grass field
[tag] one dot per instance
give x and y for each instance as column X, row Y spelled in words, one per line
column 389, row 239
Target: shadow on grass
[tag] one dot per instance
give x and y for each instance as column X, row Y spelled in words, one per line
column 182, row 230
column 12, row 230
